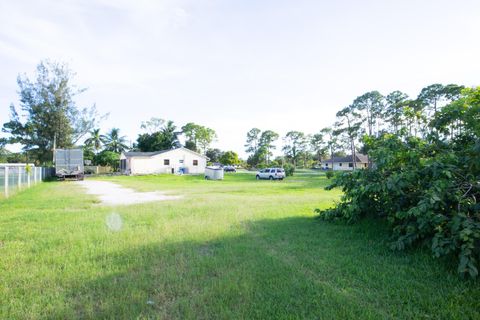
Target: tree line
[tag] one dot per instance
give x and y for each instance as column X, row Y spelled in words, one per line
column 369, row 114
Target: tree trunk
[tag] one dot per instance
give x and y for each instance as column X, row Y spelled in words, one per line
column 354, row 155
column 331, row 156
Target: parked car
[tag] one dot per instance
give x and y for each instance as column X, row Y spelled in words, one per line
column 271, row 174
column 229, row 169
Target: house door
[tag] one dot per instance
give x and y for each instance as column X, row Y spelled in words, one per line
column 181, row 165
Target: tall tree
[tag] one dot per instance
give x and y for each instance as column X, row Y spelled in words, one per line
column 51, row 117
column 295, row 143
column 431, row 96
column 318, row 145
column 198, row 137
column 253, row 140
column 170, row 135
column 165, row 138
column 267, row 138
column 331, row 139
column 214, row 155
column 394, row 110
column 115, row 142
column 96, row 140
column 152, row 125
column 436, row 95
column 371, row 106
column 190, row 131
column 349, row 123
column 205, row 136
column 415, row 117
column 229, row 158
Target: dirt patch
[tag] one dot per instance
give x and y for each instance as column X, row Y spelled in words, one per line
column 113, row 194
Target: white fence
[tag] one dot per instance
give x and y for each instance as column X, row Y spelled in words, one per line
column 17, row 176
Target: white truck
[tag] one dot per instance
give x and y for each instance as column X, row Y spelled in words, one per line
column 69, row 164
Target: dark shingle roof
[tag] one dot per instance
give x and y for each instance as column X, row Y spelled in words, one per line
column 359, row 158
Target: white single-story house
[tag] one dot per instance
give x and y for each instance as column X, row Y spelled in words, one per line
column 345, row 163
column 166, row 161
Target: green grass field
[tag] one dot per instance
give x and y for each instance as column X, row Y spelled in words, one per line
column 232, row 249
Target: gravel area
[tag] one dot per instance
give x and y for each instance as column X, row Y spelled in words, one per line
column 113, row 194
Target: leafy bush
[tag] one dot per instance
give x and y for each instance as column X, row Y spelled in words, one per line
column 108, row 158
column 427, row 189
column 289, row 169
column 329, row 174
column 427, row 192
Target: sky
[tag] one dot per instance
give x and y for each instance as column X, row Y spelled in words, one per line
column 234, row 65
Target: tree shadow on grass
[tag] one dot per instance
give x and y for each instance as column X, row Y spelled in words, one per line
column 284, row 268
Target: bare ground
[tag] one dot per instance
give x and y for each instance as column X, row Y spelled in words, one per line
column 113, row 194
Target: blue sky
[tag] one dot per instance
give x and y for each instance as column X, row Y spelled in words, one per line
column 234, row 65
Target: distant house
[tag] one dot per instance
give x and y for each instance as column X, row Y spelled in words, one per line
column 166, row 161
column 346, row 163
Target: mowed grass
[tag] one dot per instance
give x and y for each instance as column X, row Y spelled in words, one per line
column 232, row 249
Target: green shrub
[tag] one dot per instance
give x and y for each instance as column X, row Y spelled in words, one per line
column 289, row 169
column 428, row 190
column 108, row 158
column 329, row 174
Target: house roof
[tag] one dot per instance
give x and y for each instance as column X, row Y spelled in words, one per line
column 143, row 154
column 155, row 153
column 362, row 158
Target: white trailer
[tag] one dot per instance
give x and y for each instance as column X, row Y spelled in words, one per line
column 69, row 164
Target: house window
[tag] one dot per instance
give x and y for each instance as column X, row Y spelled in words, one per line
column 166, row 162
column 350, row 165
column 195, row 162
column 326, row 164
column 340, row 164
column 181, row 161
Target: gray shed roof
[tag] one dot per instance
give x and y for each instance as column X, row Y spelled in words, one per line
column 143, row 154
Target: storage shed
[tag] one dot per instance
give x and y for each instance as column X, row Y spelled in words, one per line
column 214, row 173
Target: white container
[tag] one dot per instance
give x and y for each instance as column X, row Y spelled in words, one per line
column 213, row 173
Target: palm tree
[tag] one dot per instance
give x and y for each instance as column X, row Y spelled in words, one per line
column 170, row 135
column 114, row 142
column 96, row 140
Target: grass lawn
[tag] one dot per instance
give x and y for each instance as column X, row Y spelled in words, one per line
column 232, row 249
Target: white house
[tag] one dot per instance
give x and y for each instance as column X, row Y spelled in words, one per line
column 346, row 163
column 166, row 161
